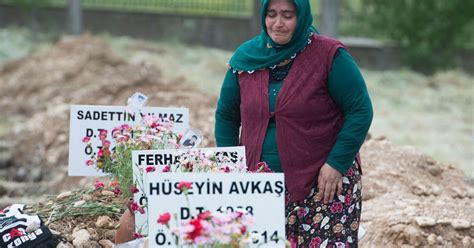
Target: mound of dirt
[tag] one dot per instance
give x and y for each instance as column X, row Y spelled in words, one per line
column 82, row 70
column 409, row 199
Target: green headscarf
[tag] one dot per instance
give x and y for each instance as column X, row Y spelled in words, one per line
column 262, row 52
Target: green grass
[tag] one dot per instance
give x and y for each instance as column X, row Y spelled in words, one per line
column 16, row 43
column 199, row 66
column 434, row 113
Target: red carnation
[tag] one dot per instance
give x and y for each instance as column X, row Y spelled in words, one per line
column 150, row 169
column 197, row 229
column 166, row 169
column 205, row 215
column 184, row 186
column 134, row 189
column 98, row 184
column 164, row 218
column 117, row 191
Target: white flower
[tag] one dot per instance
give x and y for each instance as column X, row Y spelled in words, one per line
column 209, row 154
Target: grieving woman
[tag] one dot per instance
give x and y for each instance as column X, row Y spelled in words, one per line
column 297, row 100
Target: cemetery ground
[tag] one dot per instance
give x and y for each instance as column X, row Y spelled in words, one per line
column 410, row 198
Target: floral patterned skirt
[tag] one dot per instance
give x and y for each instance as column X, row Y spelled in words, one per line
column 311, row 223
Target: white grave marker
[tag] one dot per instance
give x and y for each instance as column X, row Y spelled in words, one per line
column 161, row 158
column 87, row 120
column 260, row 194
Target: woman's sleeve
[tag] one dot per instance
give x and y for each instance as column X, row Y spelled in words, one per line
column 227, row 125
column 348, row 90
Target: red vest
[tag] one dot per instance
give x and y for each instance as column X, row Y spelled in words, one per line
column 307, row 118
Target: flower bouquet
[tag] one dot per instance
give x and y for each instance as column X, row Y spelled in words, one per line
column 200, row 161
column 151, row 133
column 211, row 229
column 216, row 230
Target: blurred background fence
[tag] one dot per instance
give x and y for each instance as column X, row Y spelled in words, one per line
column 441, row 37
column 225, row 8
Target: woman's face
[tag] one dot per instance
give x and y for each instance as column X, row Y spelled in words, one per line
column 280, row 20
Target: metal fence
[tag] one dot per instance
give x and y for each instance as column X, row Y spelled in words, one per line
column 350, row 24
column 231, row 8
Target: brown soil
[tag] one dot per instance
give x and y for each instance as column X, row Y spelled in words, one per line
column 84, row 70
column 409, row 199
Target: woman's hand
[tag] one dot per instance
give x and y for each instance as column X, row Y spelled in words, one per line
column 329, row 183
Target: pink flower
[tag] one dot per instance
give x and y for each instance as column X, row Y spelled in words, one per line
column 340, row 244
column 89, row 162
column 315, row 242
column 301, row 212
column 336, row 207
column 100, row 153
column 155, row 124
column 115, row 132
column 148, row 119
column 205, row 215
column 239, row 214
column 164, row 218
column 102, row 134
column 150, row 168
column 348, row 199
column 138, row 235
column 184, row 186
column 125, row 127
column 98, row 184
column 117, row 191
column 166, row 169
column 136, row 208
column 86, row 139
column 134, row 189
column 106, row 144
column 146, row 138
